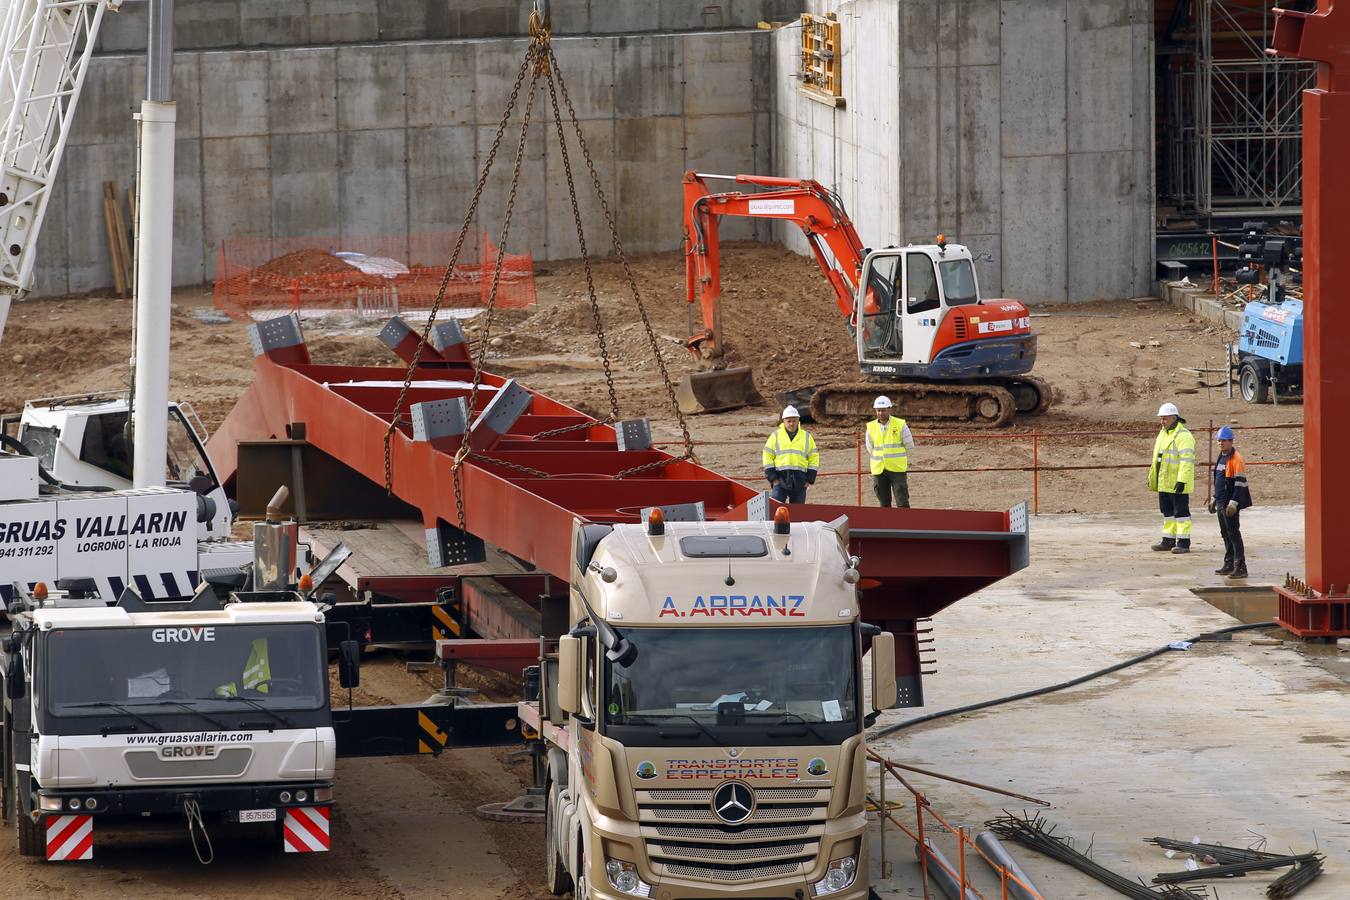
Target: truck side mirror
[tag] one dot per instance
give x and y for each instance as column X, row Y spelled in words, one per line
column 14, row 686
column 569, row 674
column 349, row 664
column 884, row 693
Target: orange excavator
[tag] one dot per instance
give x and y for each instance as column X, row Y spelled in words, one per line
column 923, row 333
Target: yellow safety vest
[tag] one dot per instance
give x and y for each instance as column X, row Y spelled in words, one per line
column 791, row 453
column 886, row 446
column 257, row 672
column 1173, row 460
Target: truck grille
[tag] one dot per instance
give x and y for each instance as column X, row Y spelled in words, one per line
column 751, row 873
column 684, row 838
column 228, row 763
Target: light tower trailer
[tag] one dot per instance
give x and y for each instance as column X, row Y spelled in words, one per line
column 204, row 712
column 704, row 718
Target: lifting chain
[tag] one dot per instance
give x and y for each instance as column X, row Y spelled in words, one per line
column 449, row 272
column 540, row 62
column 627, row 268
column 537, row 46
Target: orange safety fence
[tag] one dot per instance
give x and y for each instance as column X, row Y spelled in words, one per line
column 1033, row 466
column 374, row 275
column 928, row 859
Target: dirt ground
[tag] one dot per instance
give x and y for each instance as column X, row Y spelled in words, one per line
column 780, row 318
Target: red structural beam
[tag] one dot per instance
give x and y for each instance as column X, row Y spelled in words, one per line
column 1324, row 37
column 524, row 495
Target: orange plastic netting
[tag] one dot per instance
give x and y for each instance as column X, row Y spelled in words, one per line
column 377, row 275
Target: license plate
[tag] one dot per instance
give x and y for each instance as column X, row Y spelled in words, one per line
column 257, row 815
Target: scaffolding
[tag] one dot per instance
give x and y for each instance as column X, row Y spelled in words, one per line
column 1232, row 119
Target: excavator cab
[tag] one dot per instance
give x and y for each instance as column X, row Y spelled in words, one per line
column 914, row 286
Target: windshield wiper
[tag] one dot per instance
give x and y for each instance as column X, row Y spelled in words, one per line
column 256, row 705
column 192, row 709
column 789, row 716
column 696, row 723
column 120, row 707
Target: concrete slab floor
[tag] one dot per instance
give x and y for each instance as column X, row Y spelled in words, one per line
column 1225, row 741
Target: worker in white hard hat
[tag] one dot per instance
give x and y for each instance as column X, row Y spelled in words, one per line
column 790, row 458
column 888, row 446
column 1172, row 476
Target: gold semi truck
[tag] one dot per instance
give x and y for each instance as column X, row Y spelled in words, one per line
column 703, row 718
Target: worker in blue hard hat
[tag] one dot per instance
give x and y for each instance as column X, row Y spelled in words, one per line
column 790, row 459
column 1231, row 497
column 1172, row 476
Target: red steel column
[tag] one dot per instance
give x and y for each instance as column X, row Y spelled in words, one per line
column 1324, row 37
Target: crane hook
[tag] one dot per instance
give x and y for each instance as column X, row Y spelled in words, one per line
column 542, row 10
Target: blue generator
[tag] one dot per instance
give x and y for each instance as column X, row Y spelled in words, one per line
column 1269, row 355
column 1270, row 350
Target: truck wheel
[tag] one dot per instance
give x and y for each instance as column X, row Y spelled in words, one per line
column 32, row 836
column 1252, row 384
column 556, row 878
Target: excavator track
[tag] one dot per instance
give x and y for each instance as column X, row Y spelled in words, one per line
column 981, row 405
column 1033, row 395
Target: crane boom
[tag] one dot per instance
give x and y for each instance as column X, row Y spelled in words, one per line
column 45, row 47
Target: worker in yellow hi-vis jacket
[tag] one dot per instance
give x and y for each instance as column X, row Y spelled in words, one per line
column 888, row 446
column 1172, row 475
column 790, row 459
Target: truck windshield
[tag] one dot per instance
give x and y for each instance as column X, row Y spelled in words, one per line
column 711, row 679
column 212, row 669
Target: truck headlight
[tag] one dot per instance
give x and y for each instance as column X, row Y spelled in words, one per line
column 838, row 876
column 623, row 876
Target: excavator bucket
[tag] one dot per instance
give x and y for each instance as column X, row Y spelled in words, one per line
column 705, row 392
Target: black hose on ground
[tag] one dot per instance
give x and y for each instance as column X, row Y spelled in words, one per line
column 1037, row 692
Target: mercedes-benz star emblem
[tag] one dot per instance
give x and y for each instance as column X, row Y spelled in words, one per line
column 733, row 802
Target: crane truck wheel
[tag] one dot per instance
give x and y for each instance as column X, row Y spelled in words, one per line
column 32, row 837
column 556, row 878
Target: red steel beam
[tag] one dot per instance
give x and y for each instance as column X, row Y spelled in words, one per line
column 914, row 562
column 1323, row 37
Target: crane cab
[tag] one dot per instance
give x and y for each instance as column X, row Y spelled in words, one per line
column 83, row 442
column 920, row 315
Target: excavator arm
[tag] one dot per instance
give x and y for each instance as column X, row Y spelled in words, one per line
column 809, row 205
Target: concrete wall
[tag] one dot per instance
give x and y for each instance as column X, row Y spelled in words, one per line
column 218, row 24
column 389, row 138
column 1020, row 127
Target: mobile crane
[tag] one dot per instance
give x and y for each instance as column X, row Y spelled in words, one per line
column 922, row 330
column 45, row 48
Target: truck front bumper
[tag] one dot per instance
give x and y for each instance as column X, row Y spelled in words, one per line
column 224, row 801
column 620, row 839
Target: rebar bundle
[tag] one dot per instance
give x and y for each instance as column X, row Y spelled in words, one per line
column 1296, row 879
column 1217, row 852
column 1038, row 835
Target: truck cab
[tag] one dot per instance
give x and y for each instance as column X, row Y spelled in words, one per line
column 84, row 442
column 203, row 712
column 704, row 715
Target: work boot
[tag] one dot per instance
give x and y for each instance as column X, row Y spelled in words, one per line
column 1239, row 570
column 1227, row 568
column 1184, row 547
column 1165, row 544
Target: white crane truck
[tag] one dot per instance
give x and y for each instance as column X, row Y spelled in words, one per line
column 703, row 719
column 203, row 712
